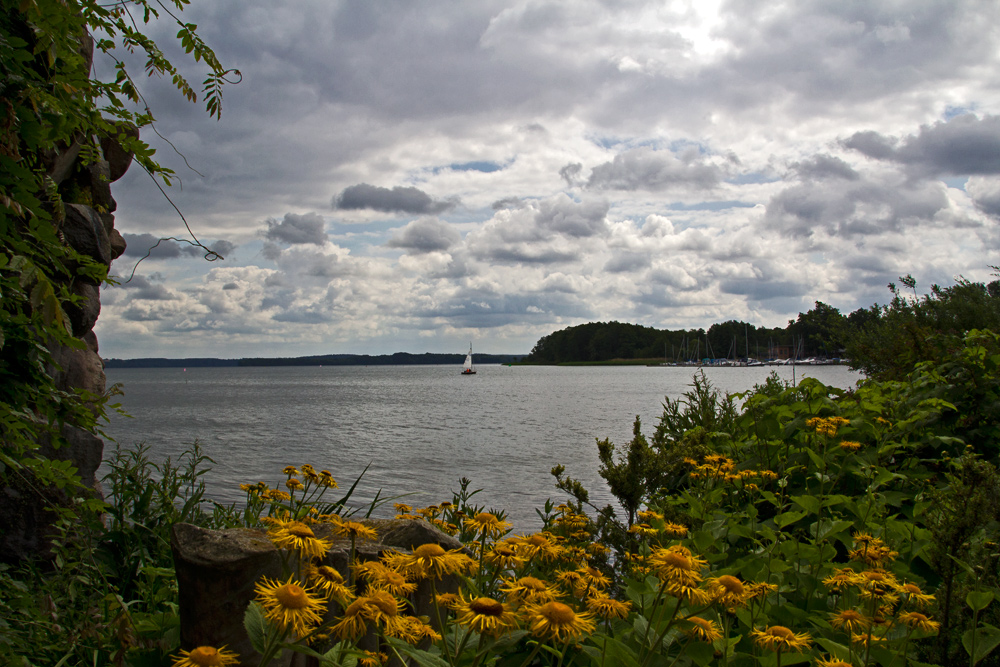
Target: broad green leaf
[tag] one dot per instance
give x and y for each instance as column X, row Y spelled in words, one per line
column 987, row 639
column 808, row 503
column 256, row 626
column 788, row 518
column 979, row 600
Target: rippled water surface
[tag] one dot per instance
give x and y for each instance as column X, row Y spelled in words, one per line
column 421, row 428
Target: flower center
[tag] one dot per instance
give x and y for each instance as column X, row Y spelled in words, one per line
column 731, row 584
column 292, row 597
column 205, row 656
column 485, row 518
column 299, row 529
column 531, row 583
column 780, row 631
column 429, row 551
column 385, row 602
column 486, row 607
column 329, row 574
column 677, row 560
column 557, row 613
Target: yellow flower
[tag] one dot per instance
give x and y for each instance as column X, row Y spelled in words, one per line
column 529, row 589
column 915, row 595
column 383, row 578
column 850, row 445
column 447, row 600
column 643, row 529
column 915, row 619
column 537, row 546
column 728, row 591
column 297, row 536
column 486, row 616
column 294, row 484
column 760, row 589
column 206, row 656
column 555, row 620
column 607, row 607
column 676, row 566
column 675, row 529
column 354, row 529
column 402, row 508
column 432, row 561
column 877, row 585
column 504, row 557
column 290, row 470
column 832, row 662
column 326, row 479
column 330, row 582
column 779, row 638
column 355, row 619
column 649, row 515
column 703, row 630
column 289, row 605
column 840, row 580
column 371, row 659
column 412, row 630
column 488, row 523
column 850, row 621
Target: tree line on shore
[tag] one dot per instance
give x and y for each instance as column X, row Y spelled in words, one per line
column 874, row 338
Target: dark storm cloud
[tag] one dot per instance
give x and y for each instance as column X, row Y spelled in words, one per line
column 962, row 146
column 140, row 287
column 821, row 167
column 571, row 173
column 985, row 194
column 762, row 290
column 294, row 229
column 397, row 200
column 139, row 245
column 848, row 208
column 425, row 235
column 628, row 261
column 507, row 202
column 652, row 170
column 483, row 308
column 572, row 218
column 524, row 254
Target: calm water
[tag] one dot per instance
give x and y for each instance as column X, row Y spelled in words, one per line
column 421, row 428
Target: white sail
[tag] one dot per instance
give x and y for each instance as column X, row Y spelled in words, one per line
column 467, row 366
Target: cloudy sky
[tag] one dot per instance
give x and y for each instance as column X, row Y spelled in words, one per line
column 413, row 176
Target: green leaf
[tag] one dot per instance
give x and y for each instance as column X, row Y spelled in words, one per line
column 422, row 658
column 979, row 600
column 987, row 638
column 256, row 626
column 788, row 518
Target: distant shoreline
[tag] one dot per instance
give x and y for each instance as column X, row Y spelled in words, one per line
column 396, row 359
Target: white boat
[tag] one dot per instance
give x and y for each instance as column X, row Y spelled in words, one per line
column 467, row 367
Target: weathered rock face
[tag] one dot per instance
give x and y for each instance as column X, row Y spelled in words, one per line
column 88, row 227
column 218, row 569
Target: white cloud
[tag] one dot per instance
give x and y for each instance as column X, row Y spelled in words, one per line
column 511, row 167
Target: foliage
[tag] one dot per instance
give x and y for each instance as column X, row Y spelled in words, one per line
column 52, row 106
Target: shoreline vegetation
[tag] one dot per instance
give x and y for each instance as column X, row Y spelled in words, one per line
column 789, row 524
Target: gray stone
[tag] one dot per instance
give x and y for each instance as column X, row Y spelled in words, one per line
column 83, row 315
column 118, row 244
column 84, row 231
column 216, row 574
column 118, row 158
column 99, row 176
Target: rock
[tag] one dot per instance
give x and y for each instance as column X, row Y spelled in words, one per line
column 99, row 177
column 118, row 244
column 118, row 158
column 84, row 232
column 218, row 569
column 83, row 315
column 216, row 574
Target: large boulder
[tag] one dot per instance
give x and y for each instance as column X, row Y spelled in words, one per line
column 218, row 569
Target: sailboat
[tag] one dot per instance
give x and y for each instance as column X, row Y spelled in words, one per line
column 467, row 367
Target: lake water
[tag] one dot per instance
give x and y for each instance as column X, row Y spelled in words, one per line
column 421, row 428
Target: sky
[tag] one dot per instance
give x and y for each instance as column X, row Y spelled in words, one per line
column 422, row 176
